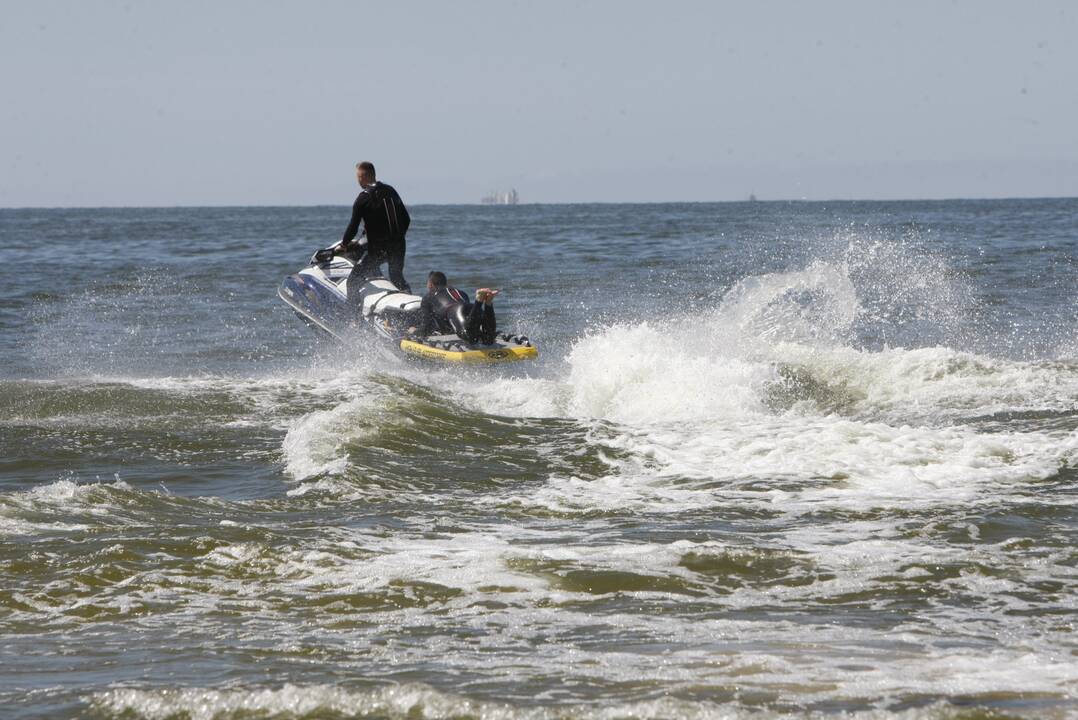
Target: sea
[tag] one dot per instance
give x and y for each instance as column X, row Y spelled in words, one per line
column 775, row 459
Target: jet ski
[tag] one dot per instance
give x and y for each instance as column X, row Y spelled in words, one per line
column 319, row 296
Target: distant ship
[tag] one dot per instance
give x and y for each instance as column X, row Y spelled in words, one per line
column 501, row 198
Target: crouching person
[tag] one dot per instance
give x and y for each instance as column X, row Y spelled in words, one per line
column 445, row 309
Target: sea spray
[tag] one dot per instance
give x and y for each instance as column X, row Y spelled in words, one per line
column 776, row 460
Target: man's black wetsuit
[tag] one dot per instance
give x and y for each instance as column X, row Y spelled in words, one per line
column 386, row 221
column 447, row 310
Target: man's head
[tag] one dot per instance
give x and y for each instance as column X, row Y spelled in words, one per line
column 365, row 174
column 436, row 281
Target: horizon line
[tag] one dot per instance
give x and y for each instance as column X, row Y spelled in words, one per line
column 755, row 201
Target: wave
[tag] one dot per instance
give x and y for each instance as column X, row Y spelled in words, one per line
column 814, row 340
column 769, row 383
column 417, row 701
column 770, row 386
column 784, row 377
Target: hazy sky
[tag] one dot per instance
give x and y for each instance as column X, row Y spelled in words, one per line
column 264, row 103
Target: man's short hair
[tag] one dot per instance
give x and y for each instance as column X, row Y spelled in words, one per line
column 367, row 167
column 438, row 279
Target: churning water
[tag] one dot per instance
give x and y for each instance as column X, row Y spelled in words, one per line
column 805, row 458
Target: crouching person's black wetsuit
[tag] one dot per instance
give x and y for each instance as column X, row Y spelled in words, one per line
column 447, row 310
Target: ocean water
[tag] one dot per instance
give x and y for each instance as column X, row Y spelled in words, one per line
column 776, row 459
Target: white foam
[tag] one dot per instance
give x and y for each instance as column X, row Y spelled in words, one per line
column 313, row 444
column 21, row 512
column 636, row 375
column 414, row 701
column 808, row 464
column 511, row 397
column 791, row 674
column 10, row 526
column 518, row 569
column 468, row 561
column 935, row 383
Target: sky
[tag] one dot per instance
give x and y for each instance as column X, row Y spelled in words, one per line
column 272, row 103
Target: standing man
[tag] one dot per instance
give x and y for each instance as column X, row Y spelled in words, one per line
column 385, row 221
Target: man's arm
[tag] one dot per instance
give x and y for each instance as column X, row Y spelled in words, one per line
column 423, row 324
column 357, row 215
column 405, row 218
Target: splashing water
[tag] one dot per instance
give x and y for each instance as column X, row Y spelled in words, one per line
column 835, row 480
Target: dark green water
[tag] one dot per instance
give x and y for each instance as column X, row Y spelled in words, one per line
column 775, row 459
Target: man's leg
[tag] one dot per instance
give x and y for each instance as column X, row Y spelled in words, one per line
column 367, row 267
column 490, row 325
column 395, row 256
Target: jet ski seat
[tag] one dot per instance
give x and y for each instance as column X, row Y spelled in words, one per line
column 380, row 296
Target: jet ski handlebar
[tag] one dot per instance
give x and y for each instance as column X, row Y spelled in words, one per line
column 326, row 254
